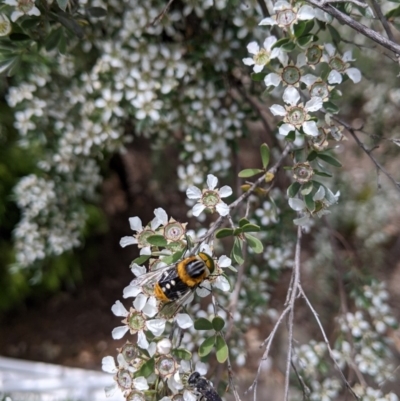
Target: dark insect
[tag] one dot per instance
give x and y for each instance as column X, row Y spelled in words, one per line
column 203, row 387
column 175, row 283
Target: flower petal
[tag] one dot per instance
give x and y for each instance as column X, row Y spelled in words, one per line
column 310, row 128
column 193, row 192
column 302, row 221
column 320, row 194
column 278, row 110
column 305, row 12
column 138, row 270
column 204, row 290
column 161, row 215
column 140, row 302
column 272, row 79
column 267, row 21
column 284, row 129
column 201, row 367
column 330, row 49
column 119, row 332
column 125, row 241
column 347, row 56
column 156, row 326
column 314, row 104
column 108, row 365
column 212, row 181
column 296, row 204
column 140, row 383
column 222, row 208
column 164, row 346
column 119, row 309
column 197, row 209
column 225, row 191
column 291, row 96
column 222, row 283
column 354, row 74
column 184, row 320
column 224, row 261
column 131, row 291
column 150, row 309
column 189, row 396
column 248, row 61
column 269, row 42
column 253, row 48
column 308, row 79
column 110, row 390
column 334, row 77
column 135, row 223
column 142, row 340
column 258, row 68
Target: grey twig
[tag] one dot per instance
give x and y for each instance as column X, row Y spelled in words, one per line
column 162, row 13
column 379, row 166
column 356, row 2
column 381, row 17
column 368, row 32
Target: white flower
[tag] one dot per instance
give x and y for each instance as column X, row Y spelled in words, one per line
column 109, row 102
column 164, row 346
column 5, row 25
column 141, row 234
column 291, row 74
column 287, row 15
column 136, row 322
column 210, row 198
column 323, row 198
column 262, row 56
column 23, row 7
column 340, row 65
column 296, row 115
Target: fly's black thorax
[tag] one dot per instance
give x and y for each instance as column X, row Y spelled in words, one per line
column 172, row 286
column 196, row 269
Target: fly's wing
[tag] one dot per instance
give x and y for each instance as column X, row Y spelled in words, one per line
column 170, row 309
column 151, row 277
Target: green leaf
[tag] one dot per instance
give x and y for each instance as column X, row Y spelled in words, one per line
column 264, row 150
column 17, row 37
column 53, row 39
column 243, row 221
column 237, row 251
column 331, row 107
column 335, row 34
column 304, row 41
column 280, row 42
column 177, row 255
column 206, row 346
column 309, row 201
column 9, row 66
column 293, row 189
column 250, row 228
column 66, row 20
column 329, row 159
column 203, row 324
column 224, row 232
column 312, row 155
column 291, row 136
column 322, row 173
column 62, row 4
column 288, row 47
column 141, row 259
column 250, row 172
column 157, row 240
column 182, row 353
column 254, row 243
column 146, row 369
column 258, row 76
column 218, row 323
column 303, row 27
column 97, row 12
column 306, row 188
column 222, row 350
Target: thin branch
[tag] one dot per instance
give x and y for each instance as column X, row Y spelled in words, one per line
column 357, row 26
column 268, row 343
column 381, row 17
column 294, row 292
column 356, row 2
column 327, row 343
column 162, row 13
column 352, row 132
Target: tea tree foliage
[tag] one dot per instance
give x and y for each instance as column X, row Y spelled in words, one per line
column 83, row 79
